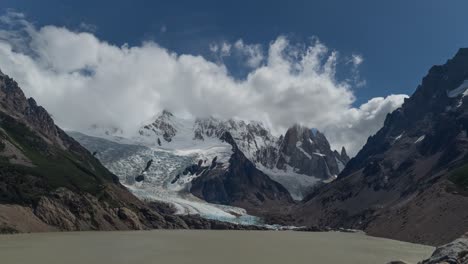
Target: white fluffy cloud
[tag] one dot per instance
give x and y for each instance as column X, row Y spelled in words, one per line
column 221, row 50
column 357, row 124
column 357, row 59
column 253, row 53
column 83, row 81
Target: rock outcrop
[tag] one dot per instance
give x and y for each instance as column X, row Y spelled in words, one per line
column 455, row 252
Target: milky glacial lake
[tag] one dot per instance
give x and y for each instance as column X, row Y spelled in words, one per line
column 190, row 246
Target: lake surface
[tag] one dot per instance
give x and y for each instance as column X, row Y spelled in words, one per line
column 190, row 246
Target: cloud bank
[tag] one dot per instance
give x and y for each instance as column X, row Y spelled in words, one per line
column 83, row 81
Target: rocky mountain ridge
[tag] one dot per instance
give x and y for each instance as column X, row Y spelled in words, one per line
column 299, row 147
column 409, row 182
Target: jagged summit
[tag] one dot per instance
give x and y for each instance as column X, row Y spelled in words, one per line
column 301, row 150
column 164, row 126
column 344, row 155
column 167, row 113
column 307, row 151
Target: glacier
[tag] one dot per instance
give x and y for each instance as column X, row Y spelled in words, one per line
column 127, row 159
column 171, row 144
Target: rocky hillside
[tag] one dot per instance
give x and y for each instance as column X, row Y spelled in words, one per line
column 50, row 182
column 409, row 182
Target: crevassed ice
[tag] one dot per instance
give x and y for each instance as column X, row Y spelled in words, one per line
column 127, row 161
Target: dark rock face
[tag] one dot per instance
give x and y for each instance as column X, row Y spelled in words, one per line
column 409, row 181
column 309, row 153
column 139, row 178
column 241, row 184
column 344, row 156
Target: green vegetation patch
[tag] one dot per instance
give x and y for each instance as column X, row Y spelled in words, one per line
column 53, row 167
column 460, row 176
column 8, row 230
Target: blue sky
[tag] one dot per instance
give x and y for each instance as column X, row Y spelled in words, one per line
column 399, row 40
column 278, row 74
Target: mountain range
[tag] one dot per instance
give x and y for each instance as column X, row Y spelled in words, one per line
column 408, row 182
column 202, row 165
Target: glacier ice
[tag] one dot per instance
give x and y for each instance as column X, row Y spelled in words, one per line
column 127, row 161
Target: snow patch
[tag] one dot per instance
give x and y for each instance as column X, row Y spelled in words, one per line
column 299, row 146
column 421, row 138
column 319, row 154
column 462, row 89
column 298, row 185
column 398, row 138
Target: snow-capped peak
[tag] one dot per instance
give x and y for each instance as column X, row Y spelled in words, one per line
column 165, row 127
column 302, row 151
